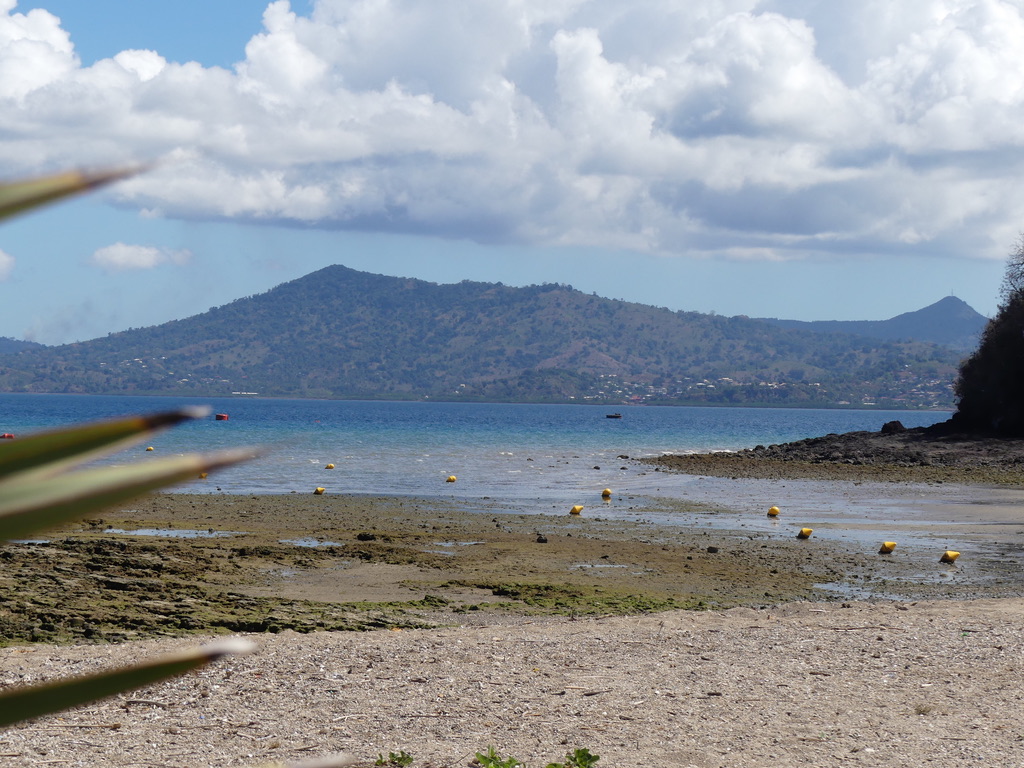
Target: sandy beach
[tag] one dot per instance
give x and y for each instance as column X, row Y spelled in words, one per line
column 538, row 633
column 804, row 684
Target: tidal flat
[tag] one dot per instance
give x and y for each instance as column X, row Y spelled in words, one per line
column 177, row 564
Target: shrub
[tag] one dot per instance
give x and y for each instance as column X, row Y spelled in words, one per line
column 990, row 387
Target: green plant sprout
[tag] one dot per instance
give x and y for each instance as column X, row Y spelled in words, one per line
column 399, row 759
column 491, row 759
column 578, row 758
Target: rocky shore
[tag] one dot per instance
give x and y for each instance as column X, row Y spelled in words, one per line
column 924, row 454
column 186, row 564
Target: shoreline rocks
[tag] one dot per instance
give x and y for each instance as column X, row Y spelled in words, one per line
column 922, row 454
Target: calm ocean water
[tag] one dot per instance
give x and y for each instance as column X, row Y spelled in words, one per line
column 501, row 451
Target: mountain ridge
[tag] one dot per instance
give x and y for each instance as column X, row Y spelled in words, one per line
column 339, row 332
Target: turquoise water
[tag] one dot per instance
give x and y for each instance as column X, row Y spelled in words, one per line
column 517, row 452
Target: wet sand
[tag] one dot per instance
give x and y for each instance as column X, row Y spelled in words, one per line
column 187, row 563
column 927, row 490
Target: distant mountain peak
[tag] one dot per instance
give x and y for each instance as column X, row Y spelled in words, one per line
column 950, row 321
column 945, row 307
column 953, row 301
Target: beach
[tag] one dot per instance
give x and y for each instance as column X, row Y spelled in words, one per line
column 690, row 631
column 890, row 684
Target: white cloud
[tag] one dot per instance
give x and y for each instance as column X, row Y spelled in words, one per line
column 120, row 257
column 143, row 64
column 34, row 51
column 6, row 265
column 711, row 127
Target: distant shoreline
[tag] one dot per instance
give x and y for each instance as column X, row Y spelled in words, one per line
column 611, row 404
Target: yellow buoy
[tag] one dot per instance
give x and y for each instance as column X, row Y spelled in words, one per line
column 202, row 475
column 576, row 510
column 949, row 556
column 887, row 547
column 773, row 512
column 329, row 466
column 606, row 493
column 318, row 492
column 805, row 533
column 150, row 448
column 451, row 479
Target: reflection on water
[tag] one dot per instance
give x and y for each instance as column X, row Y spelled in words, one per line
column 175, row 533
column 308, row 541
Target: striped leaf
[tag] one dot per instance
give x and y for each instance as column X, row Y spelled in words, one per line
column 331, row 761
column 55, row 450
column 28, row 504
column 19, row 196
column 27, row 703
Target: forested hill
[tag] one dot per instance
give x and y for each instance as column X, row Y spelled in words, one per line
column 343, row 333
column 8, row 345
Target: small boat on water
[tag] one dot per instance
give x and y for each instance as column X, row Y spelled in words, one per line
column 613, row 415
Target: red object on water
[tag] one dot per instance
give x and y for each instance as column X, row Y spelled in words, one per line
column 221, row 417
column 6, row 436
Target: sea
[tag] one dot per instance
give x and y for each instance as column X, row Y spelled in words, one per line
column 550, row 454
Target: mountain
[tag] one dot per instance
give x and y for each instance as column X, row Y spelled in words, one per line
column 342, row 333
column 8, row 345
column 949, row 321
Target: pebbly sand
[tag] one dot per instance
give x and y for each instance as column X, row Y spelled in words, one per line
column 817, row 652
column 933, row 683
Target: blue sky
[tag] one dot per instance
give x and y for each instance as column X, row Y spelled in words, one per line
column 797, row 159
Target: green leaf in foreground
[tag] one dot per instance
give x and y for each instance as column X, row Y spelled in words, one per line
column 28, row 505
column 27, row 703
column 19, row 196
column 54, row 450
column 331, row 761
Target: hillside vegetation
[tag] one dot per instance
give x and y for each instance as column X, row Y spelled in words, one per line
column 8, row 345
column 343, row 333
column 990, row 387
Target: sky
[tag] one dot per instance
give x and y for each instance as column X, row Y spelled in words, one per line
column 800, row 159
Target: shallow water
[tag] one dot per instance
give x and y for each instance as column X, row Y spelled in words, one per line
column 547, row 458
column 310, row 542
column 502, row 451
column 174, row 533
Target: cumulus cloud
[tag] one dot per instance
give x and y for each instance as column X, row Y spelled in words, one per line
column 775, row 127
column 121, row 257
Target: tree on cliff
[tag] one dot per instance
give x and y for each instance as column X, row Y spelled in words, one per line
column 990, row 388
